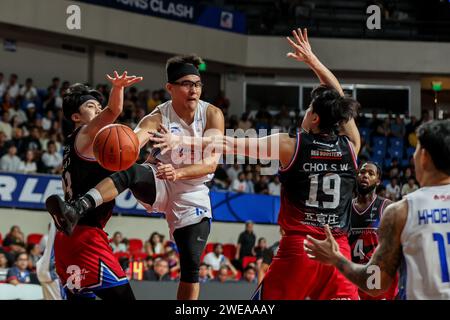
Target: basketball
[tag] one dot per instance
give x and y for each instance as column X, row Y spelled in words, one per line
column 116, row 147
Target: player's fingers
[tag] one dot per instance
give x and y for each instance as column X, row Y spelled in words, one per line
column 124, row 75
column 305, row 34
column 328, row 232
column 109, row 77
column 300, row 35
column 312, row 240
column 311, row 256
column 292, row 43
column 163, row 128
column 296, row 36
column 116, row 75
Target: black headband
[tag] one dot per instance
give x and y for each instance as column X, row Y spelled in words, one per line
column 85, row 98
column 177, row 71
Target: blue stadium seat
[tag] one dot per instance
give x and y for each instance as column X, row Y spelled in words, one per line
column 387, row 162
column 386, row 182
column 396, row 142
column 409, row 152
column 378, row 151
column 405, row 163
column 365, row 133
column 378, row 160
column 379, row 142
column 396, row 152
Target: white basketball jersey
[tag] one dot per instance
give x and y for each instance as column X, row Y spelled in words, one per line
column 188, row 201
column 425, row 239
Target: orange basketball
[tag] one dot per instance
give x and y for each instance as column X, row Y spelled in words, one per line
column 116, row 147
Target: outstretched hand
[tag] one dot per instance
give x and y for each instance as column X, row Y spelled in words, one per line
column 124, row 80
column 164, row 140
column 325, row 251
column 301, row 46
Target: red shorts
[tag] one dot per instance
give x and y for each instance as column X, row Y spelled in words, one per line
column 85, row 261
column 294, row 276
column 388, row 295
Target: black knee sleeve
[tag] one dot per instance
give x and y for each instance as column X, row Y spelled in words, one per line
column 191, row 242
column 139, row 178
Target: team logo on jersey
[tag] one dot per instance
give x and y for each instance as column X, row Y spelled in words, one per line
column 442, row 197
column 174, row 128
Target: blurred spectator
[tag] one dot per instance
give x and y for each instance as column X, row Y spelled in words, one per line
column 393, row 190
column 47, row 120
column 394, row 169
column 51, row 159
column 233, row 171
column 154, row 244
column 249, row 275
column 173, row 260
column 222, row 102
column 239, row 184
column 411, row 126
column 285, row 120
column 249, row 180
column 275, row 186
column 262, row 185
column 397, row 127
column 205, row 273
column 3, row 267
column 34, row 254
column 148, row 265
column 409, row 187
column 10, row 162
column 19, row 113
column 245, row 123
column 153, row 101
column 28, row 165
column 15, row 240
column 55, row 84
column 13, row 86
column 31, row 113
column 261, row 250
column 221, row 178
column 32, row 142
column 160, row 271
column 43, row 242
column 408, row 173
column 215, row 258
column 28, row 92
column 223, row 275
column 246, row 242
column 117, row 244
column 5, row 126
column 19, row 273
column 7, row 102
column 2, row 84
column 4, row 145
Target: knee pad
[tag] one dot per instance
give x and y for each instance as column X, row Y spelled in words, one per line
column 125, row 179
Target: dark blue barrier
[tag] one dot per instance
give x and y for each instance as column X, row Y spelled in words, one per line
column 30, row 191
column 184, row 11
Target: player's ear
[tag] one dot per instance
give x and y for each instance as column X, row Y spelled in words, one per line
column 169, row 87
column 425, row 159
column 76, row 117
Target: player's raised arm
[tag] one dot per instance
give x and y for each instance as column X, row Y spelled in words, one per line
column 377, row 275
column 303, row 52
column 108, row 115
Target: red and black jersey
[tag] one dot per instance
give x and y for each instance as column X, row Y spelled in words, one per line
column 363, row 237
column 80, row 174
column 317, row 186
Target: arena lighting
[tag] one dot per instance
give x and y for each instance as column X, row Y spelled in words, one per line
column 436, row 85
column 202, row 67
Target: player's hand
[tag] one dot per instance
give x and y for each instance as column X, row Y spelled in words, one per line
column 124, row 80
column 301, row 46
column 325, row 251
column 164, row 140
column 166, row 172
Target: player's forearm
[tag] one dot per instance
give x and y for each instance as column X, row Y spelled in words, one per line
column 360, row 275
column 325, row 75
column 195, row 171
column 115, row 103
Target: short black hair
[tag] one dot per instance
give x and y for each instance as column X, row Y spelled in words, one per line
column 176, row 62
column 434, row 136
column 19, row 254
column 72, row 102
column 379, row 170
column 332, row 108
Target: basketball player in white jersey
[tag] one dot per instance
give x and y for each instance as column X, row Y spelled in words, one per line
column 46, row 271
column 175, row 185
column 415, row 232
